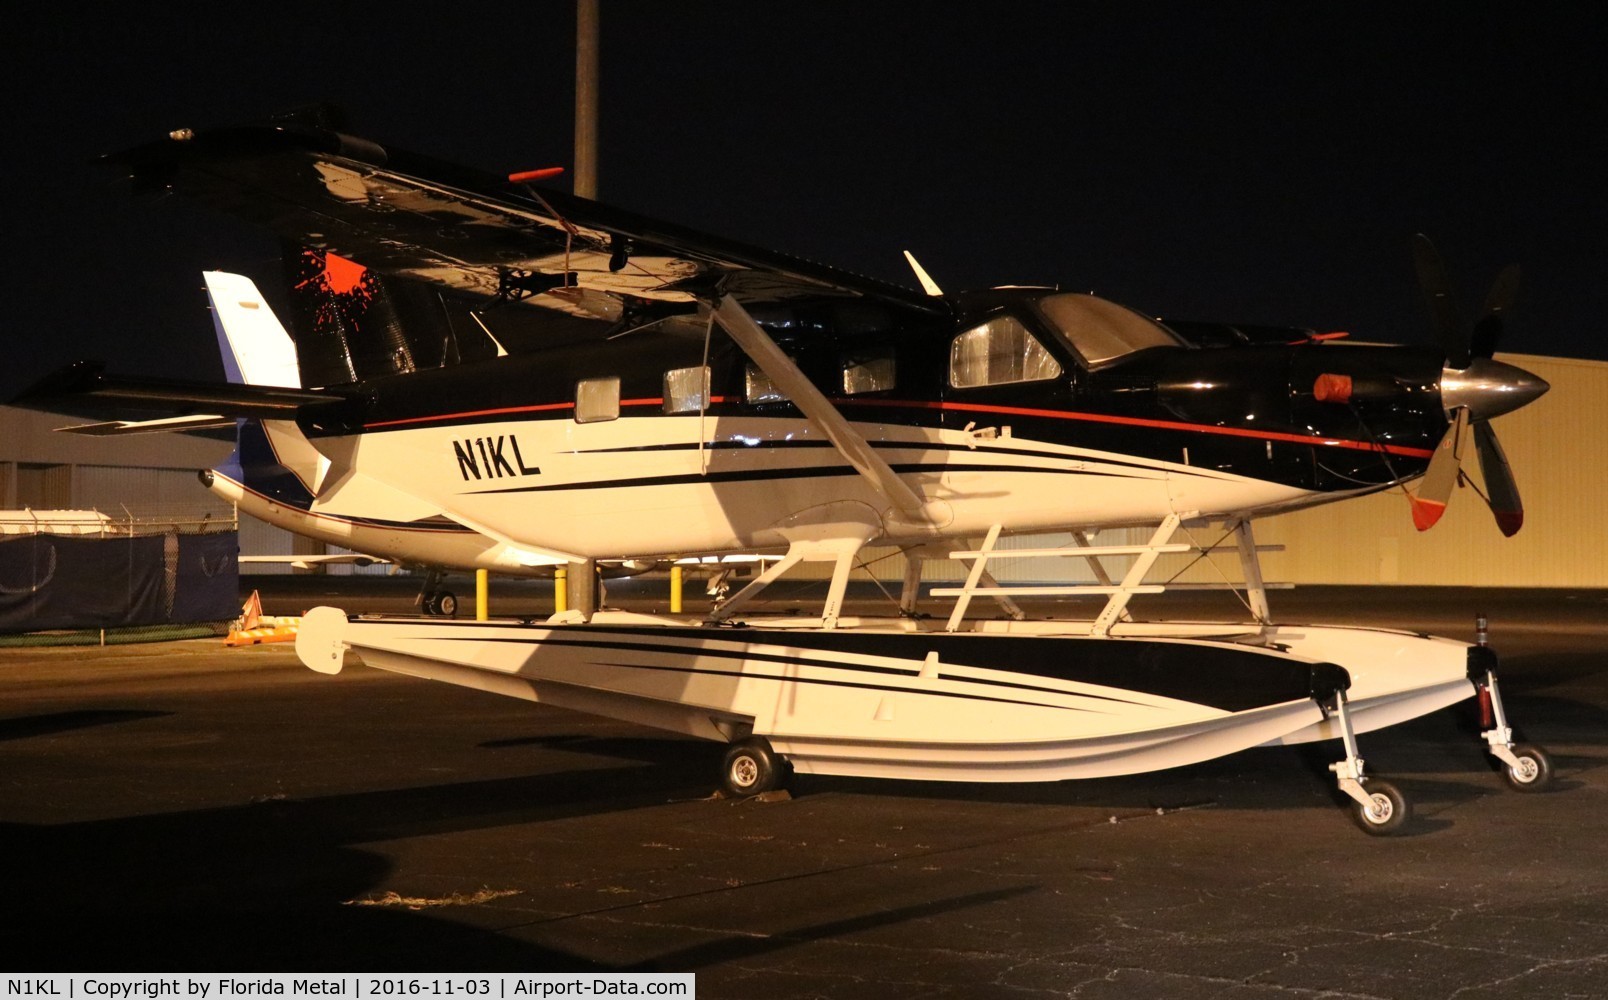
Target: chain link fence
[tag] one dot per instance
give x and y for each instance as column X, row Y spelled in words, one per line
column 137, row 573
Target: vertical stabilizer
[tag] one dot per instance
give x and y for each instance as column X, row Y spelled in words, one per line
column 272, row 457
column 255, row 348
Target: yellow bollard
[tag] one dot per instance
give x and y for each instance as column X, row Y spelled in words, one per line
column 482, row 595
column 675, row 590
column 560, row 590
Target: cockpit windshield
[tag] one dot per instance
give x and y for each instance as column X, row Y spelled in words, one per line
column 1103, row 331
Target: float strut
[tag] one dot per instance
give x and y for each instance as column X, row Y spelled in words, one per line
column 1528, row 767
column 1349, row 773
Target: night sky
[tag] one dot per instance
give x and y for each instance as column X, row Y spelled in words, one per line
column 1259, row 163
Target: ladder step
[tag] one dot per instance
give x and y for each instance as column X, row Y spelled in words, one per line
column 1062, row 591
column 1093, row 550
column 1227, row 586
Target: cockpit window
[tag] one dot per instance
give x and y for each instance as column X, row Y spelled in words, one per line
column 1103, row 331
column 997, row 352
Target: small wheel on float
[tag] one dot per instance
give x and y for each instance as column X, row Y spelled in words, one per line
column 750, row 767
column 1387, row 810
column 1532, row 773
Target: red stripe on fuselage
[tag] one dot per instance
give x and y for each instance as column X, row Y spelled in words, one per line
column 1169, row 425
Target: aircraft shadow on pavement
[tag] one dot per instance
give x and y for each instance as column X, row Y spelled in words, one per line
column 27, row 726
column 268, row 886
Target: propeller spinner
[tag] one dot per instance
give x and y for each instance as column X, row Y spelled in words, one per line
column 1474, row 388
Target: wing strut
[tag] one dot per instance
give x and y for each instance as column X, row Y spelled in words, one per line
column 853, row 446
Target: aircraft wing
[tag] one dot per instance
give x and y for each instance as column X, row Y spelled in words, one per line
column 471, row 231
column 498, row 237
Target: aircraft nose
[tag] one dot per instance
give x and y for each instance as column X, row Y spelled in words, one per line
column 1490, row 388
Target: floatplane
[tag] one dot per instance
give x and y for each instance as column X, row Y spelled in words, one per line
column 569, row 382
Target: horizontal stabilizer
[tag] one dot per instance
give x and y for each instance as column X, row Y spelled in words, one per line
column 162, row 425
column 311, row 561
column 86, row 382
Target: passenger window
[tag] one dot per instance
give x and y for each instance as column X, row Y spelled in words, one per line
column 686, row 390
column 867, row 374
column 998, row 352
column 758, row 387
column 597, row 399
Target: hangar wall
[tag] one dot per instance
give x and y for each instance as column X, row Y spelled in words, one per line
column 146, row 477
column 149, row 474
column 1558, row 448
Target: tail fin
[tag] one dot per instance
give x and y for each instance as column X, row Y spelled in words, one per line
column 255, row 348
column 272, row 457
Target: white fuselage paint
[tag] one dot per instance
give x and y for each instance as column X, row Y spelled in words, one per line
column 641, row 486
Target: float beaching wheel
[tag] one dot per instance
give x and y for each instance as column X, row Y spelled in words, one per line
column 751, row 767
column 1386, row 811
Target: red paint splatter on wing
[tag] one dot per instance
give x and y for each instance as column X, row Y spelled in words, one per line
column 341, row 275
column 343, row 288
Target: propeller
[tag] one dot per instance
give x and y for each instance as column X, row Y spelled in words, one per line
column 1474, row 388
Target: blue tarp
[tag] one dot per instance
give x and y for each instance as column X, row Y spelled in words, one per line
column 66, row 581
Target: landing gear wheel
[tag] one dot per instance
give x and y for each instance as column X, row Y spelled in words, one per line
column 1387, row 810
column 1533, row 771
column 441, row 602
column 751, row 767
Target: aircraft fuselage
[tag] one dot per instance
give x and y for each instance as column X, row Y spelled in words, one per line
column 519, row 443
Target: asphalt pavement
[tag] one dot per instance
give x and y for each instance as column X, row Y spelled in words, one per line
column 185, row 807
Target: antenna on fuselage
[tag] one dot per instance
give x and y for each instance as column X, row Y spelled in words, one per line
column 502, row 352
column 927, row 284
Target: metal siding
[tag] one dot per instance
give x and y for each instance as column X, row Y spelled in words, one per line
column 259, row 538
column 118, row 491
column 1556, row 447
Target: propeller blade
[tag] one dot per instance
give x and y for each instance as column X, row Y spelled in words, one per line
column 1436, row 488
column 1498, row 303
column 1449, row 328
column 1503, row 492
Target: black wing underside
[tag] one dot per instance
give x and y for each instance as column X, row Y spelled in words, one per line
column 474, row 233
